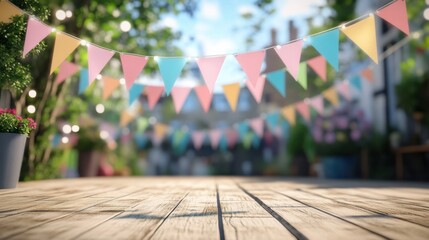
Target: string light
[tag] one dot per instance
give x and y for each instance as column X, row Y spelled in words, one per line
column 122, row 81
column 32, row 93
column 67, row 129
column 31, row 109
column 65, row 140
column 75, row 128
column 99, row 108
column 99, row 77
column 83, row 43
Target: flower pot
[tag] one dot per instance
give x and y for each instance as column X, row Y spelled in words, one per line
column 12, row 146
column 88, row 163
column 340, row 167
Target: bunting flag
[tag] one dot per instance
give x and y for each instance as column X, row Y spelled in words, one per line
column 396, row 14
column 64, row 45
column 204, row 95
column 198, row 138
column 257, row 125
column 215, row 136
column 317, row 104
column 331, row 95
column 278, row 81
column 134, row 92
column 328, row 45
column 141, row 141
column 7, row 11
column 170, row 69
column 109, row 85
column 242, row 129
column 356, row 82
column 179, row 95
column 67, row 69
column 142, row 124
column 232, row 91
column 257, row 89
column 318, row 64
column 153, row 95
column 223, row 144
column 132, row 66
column 126, row 118
column 36, row 32
column 272, row 120
column 368, row 74
column 344, row 90
column 231, row 137
column 256, row 141
column 160, row 130
column 363, row 34
column 303, row 109
column 251, row 64
column 247, row 140
column 97, row 59
column 290, row 54
column 288, row 113
column 302, row 75
column 210, row 68
column 83, row 80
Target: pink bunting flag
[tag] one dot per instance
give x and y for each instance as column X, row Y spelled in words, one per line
column 318, row 64
column 231, row 137
column 303, row 109
column 317, row 104
column 251, row 64
column 396, row 14
column 257, row 125
column 257, row 89
column 67, row 69
column 205, row 96
column 210, row 68
column 198, row 138
column 97, row 59
column 344, row 90
column 132, row 66
column 153, row 95
column 215, row 136
column 290, row 54
column 179, row 95
column 36, row 32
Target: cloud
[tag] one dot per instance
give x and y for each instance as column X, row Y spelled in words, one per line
column 210, row 10
column 300, row 8
column 170, row 22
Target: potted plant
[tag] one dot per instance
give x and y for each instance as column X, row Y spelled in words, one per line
column 300, row 149
column 14, row 131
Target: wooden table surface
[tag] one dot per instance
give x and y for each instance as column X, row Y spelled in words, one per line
column 214, row 208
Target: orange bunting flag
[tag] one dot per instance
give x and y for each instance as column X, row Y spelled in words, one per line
column 126, row 118
column 232, row 92
column 331, row 95
column 363, row 34
column 368, row 74
column 109, row 85
column 288, row 113
column 7, row 11
column 160, row 130
column 64, row 45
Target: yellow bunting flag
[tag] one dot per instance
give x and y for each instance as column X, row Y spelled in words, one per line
column 331, row 95
column 232, row 91
column 109, row 85
column 288, row 113
column 363, row 35
column 126, row 118
column 160, row 131
column 64, row 46
column 7, row 11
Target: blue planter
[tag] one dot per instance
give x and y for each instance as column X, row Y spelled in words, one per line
column 340, row 167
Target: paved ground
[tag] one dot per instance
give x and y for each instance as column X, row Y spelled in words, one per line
column 214, row 208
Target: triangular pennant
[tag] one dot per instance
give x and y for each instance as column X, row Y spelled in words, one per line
column 223, row 143
column 257, row 89
column 368, row 74
column 83, row 80
column 251, row 64
column 160, row 130
column 272, row 120
column 7, row 11
column 198, row 138
column 205, row 97
column 363, row 34
column 302, row 75
column 109, row 85
column 318, row 64
column 331, row 95
column 290, row 54
column 215, row 136
column 396, row 14
column 256, row 141
column 232, row 92
column 67, row 69
column 170, row 69
column 132, row 66
column 317, row 104
column 288, row 113
column 242, row 129
column 134, row 92
column 257, row 125
column 36, row 32
column 210, row 68
column 179, row 95
column 278, row 81
column 344, row 90
column 247, row 140
column 153, row 95
column 64, row 45
column 126, row 118
column 97, row 59
column 356, row 82
column 141, row 141
column 303, row 109
column 231, row 137
column 328, row 45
